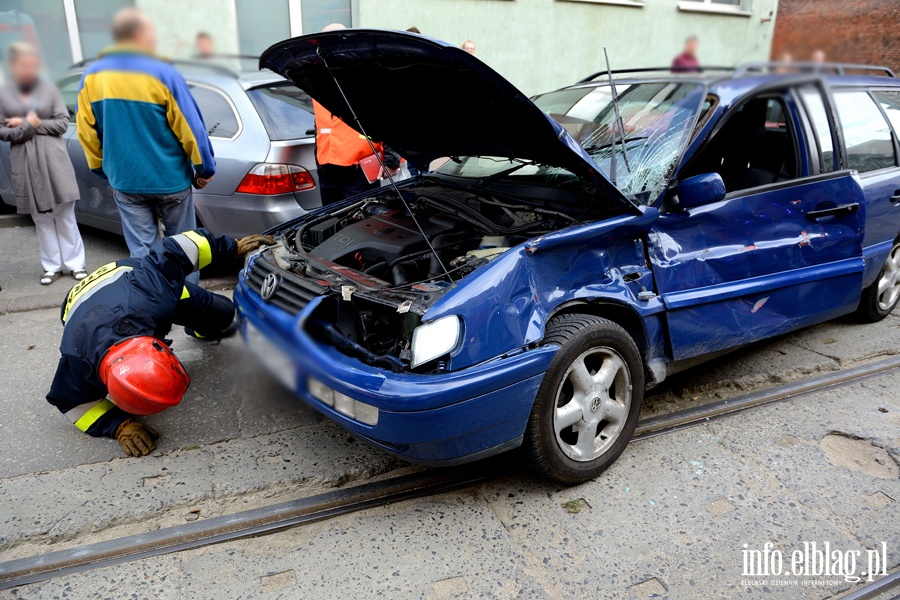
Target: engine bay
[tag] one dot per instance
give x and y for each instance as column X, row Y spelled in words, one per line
column 433, row 234
column 387, row 259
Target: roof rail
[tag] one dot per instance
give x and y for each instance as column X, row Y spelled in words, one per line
column 669, row 69
column 202, row 63
column 809, row 67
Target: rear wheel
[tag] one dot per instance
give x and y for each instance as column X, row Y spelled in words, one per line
column 588, row 404
column 880, row 298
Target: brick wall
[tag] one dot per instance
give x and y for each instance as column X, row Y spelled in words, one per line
column 859, row 31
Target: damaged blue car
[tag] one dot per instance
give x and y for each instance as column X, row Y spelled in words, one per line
column 575, row 248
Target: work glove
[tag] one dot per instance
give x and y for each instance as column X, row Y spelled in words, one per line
column 136, row 439
column 252, row 242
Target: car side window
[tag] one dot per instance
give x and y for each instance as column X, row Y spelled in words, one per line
column 220, row 118
column 755, row 146
column 867, row 134
column 890, row 104
column 815, row 110
column 68, row 87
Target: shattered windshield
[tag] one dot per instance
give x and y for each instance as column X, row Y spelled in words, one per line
column 657, row 118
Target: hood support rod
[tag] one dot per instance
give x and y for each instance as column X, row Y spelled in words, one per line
column 384, row 169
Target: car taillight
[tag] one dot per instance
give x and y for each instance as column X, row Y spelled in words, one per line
column 269, row 179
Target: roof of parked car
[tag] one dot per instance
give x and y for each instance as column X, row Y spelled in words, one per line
column 732, row 83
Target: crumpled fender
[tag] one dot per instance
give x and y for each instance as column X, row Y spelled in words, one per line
column 505, row 305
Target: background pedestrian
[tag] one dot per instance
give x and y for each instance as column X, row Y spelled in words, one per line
column 34, row 119
column 687, row 62
column 469, row 46
column 205, row 47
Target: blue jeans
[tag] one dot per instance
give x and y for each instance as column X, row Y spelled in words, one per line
column 139, row 219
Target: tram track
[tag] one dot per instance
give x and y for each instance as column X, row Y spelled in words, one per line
column 280, row 516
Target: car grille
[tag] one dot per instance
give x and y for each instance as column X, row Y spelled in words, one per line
column 294, row 292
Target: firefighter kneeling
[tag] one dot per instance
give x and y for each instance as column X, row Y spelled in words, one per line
column 115, row 362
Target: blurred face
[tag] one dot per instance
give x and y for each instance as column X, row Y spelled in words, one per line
column 691, row 46
column 146, row 37
column 818, row 56
column 26, row 68
column 469, row 47
column 204, row 46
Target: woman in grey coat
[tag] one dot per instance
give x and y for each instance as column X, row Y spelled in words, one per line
column 34, row 118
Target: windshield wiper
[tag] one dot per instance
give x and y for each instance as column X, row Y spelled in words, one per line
column 619, row 123
column 505, row 172
column 625, row 141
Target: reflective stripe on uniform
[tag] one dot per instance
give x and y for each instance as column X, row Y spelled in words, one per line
column 185, row 294
column 91, row 284
column 204, row 251
column 85, row 415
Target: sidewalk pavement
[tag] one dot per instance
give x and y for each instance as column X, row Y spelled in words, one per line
column 20, row 265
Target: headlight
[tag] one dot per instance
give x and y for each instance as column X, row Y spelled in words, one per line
column 435, row 339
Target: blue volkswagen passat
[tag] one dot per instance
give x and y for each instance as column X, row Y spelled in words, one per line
column 564, row 260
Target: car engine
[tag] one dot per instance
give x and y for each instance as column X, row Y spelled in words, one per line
column 387, row 259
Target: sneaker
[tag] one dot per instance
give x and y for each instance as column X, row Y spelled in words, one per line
column 79, row 274
column 49, row 277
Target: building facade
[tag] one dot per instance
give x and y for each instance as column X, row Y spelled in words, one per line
column 537, row 44
column 854, row 31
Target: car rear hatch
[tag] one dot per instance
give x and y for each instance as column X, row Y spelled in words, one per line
column 287, row 115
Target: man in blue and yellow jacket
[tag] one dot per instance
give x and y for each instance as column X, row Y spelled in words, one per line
column 142, row 130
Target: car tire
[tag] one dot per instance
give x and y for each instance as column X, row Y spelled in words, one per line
column 580, row 423
column 880, row 298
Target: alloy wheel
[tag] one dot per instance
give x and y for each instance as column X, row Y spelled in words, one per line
column 592, row 404
column 889, row 283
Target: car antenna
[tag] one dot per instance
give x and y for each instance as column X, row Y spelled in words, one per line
column 618, row 123
column 381, row 162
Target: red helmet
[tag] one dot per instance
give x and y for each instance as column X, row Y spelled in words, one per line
column 143, row 375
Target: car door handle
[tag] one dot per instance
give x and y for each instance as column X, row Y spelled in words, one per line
column 842, row 209
column 896, row 197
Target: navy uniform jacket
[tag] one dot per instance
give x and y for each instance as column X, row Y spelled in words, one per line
column 131, row 297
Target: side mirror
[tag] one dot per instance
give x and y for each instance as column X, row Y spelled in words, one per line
column 700, row 190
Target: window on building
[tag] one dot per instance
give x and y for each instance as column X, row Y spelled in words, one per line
column 756, row 146
column 94, row 22
column 867, row 135
column 815, row 109
column 316, row 14
column 718, row 6
column 260, row 28
column 41, row 23
column 286, row 111
column 890, row 103
column 218, row 114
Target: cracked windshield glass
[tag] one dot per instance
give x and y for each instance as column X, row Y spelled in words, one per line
column 656, row 118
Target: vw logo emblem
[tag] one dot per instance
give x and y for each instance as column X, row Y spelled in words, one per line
column 595, row 404
column 270, row 285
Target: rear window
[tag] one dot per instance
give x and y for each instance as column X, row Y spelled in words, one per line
column 866, row 133
column 286, row 111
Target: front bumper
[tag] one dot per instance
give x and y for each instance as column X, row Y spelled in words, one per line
column 432, row 419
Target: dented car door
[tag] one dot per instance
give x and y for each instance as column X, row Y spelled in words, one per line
column 781, row 253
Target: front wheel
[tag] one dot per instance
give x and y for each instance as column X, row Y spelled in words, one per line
column 588, row 404
column 880, row 298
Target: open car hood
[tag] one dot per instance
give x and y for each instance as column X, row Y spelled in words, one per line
column 426, row 99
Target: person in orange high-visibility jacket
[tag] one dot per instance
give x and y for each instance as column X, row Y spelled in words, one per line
column 339, row 148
